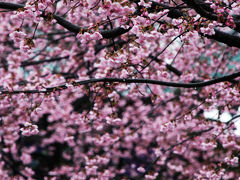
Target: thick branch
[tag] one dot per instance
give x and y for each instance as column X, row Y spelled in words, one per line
column 206, row 11
column 226, row 38
column 163, row 83
column 108, row 34
column 120, row 80
column 174, row 12
column 10, row 6
column 229, row 39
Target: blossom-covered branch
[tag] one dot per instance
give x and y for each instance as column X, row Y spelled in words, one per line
column 227, row 38
column 108, row 34
column 126, row 80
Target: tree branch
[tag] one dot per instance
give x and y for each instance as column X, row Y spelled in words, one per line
column 108, row 34
column 206, row 11
column 121, row 80
column 10, row 6
column 30, row 63
column 226, row 38
column 220, row 36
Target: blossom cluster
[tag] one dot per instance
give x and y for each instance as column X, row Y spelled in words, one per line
column 119, row 89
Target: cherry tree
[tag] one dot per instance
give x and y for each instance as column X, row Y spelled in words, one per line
column 117, row 89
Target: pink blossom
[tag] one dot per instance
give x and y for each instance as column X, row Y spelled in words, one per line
column 29, row 129
column 130, row 103
column 26, row 158
column 17, row 36
column 141, row 169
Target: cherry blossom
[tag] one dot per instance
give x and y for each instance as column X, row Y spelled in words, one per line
column 103, row 89
column 29, row 129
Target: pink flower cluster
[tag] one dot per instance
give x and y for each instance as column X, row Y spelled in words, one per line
column 29, row 129
column 69, row 111
column 17, row 36
column 208, row 30
column 86, row 37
